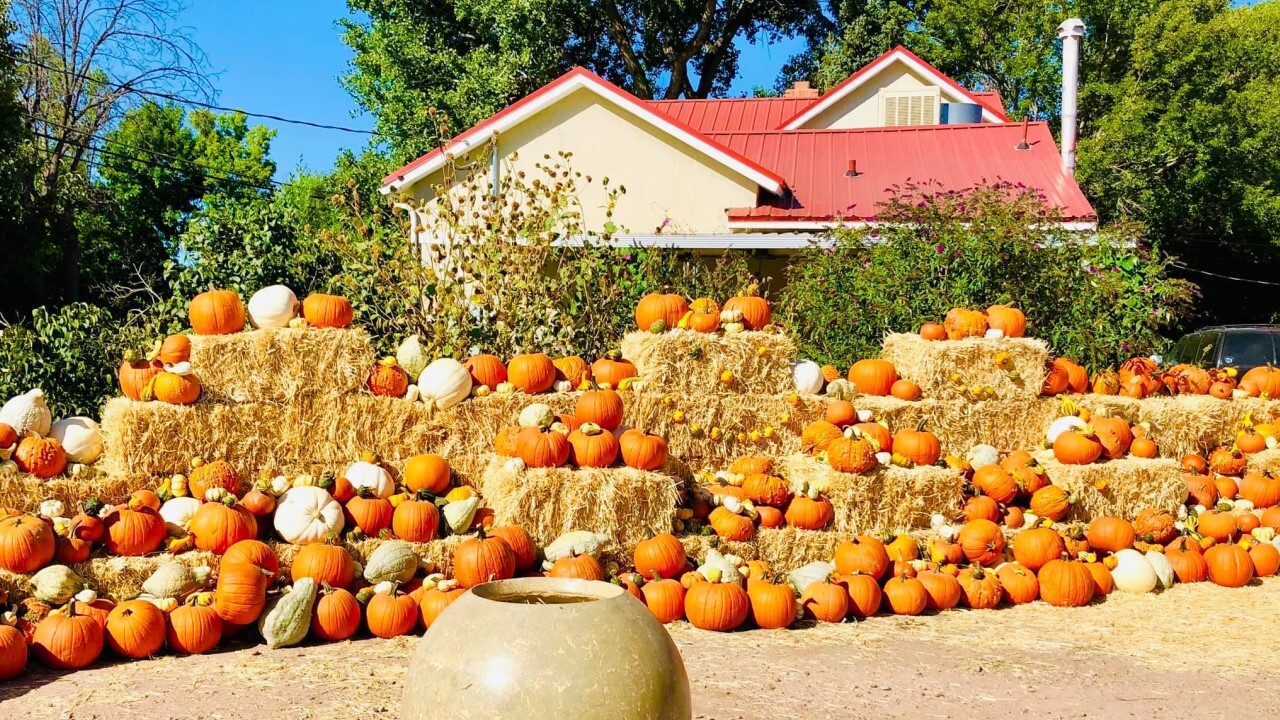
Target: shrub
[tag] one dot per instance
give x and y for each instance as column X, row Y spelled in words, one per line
column 1098, row 298
column 70, row 352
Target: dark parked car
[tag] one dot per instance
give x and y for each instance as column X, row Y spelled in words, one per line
column 1238, row 346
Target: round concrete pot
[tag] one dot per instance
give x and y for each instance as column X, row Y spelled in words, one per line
column 546, row 648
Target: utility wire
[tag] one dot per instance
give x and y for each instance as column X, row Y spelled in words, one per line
column 195, row 103
column 1223, row 277
column 275, row 185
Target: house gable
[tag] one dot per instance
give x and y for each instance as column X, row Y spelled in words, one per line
column 866, row 97
column 580, row 79
column 666, row 182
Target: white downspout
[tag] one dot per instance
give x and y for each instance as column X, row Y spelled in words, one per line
column 1071, row 31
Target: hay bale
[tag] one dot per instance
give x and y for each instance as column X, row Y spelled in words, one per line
column 687, row 361
column 787, row 548
column 120, row 578
column 932, row 363
column 627, row 504
column 1119, row 488
column 1007, row 425
column 889, row 498
column 1266, row 462
column 25, row 492
column 323, row 432
column 281, row 365
column 1185, row 424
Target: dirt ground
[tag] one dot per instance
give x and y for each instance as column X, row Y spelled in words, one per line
column 1194, row 651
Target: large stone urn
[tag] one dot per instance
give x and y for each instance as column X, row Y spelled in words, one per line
column 546, row 648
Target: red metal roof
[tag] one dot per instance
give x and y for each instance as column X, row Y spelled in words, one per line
column 814, row 162
column 732, row 115
column 990, row 99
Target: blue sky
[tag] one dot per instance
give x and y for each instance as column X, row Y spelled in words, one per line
column 287, row 62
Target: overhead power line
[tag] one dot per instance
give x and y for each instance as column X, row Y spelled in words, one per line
column 272, row 185
column 195, row 103
column 1223, row 277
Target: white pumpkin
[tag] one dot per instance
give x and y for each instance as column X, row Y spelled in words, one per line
column 287, row 619
column 808, row 377
column 537, row 415
column 177, row 514
column 411, row 357
column 27, row 413
column 273, row 307
column 805, row 575
column 459, row 515
column 1061, row 425
column 444, row 383
column 80, row 437
column 374, row 477
column 582, row 542
column 980, row 456
column 1164, row 571
column 714, row 561
column 307, row 514
column 1133, row 572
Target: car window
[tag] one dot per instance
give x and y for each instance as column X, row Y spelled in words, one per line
column 1191, row 349
column 1247, row 348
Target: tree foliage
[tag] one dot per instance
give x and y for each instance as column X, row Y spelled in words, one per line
column 1098, row 300
column 467, row 59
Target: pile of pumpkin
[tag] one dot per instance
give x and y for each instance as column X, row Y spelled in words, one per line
column 1079, row 437
column 659, row 312
column 592, row 437
column 31, row 442
column 734, row 502
column 852, row 441
column 165, row 372
column 872, row 376
column 1141, row 377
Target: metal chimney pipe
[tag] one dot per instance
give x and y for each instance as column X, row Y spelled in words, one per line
column 1071, row 31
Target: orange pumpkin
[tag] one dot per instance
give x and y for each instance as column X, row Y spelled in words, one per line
column 1229, row 565
column 40, row 456
column 481, row 559
column 919, row 446
column 572, row 369
column 1110, row 534
column 818, row 436
column 216, row 527
column 873, row 376
column 703, row 316
column 26, row 543
column 327, row 311
column 906, row 595
column 933, row 331
column 841, row 413
column 135, row 375
column 193, row 629
column 428, row 472
column 135, row 629
column 905, row 390
column 216, row 312
column 486, row 370
column 590, row 446
column 533, row 373
column 66, row 640
column 327, row 564
column 611, row 370
column 336, row 616
column 1065, row 583
column 806, row 513
column 755, row 310
column 642, row 450
column 542, row 447
column 175, row 349
column 961, row 323
column 717, row 606
column 1076, row 448
column 982, row 542
column 602, row 407
column 658, row 307
column 1010, row 320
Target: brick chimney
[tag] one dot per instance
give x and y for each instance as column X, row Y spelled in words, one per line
column 801, row 89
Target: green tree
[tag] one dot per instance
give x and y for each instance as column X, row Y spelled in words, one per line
column 157, row 167
column 1190, row 145
column 467, row 59
column 855, row 32
column 1098, row 300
